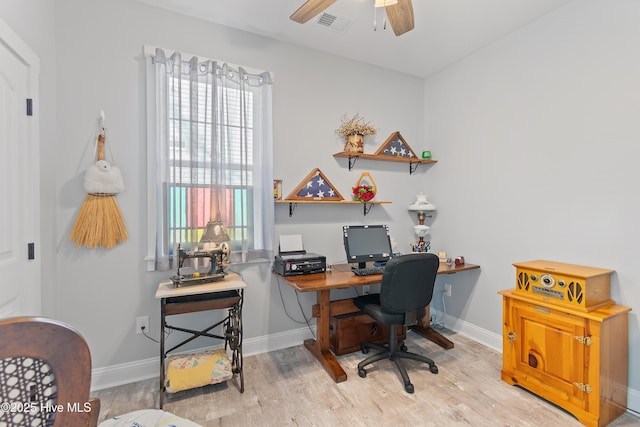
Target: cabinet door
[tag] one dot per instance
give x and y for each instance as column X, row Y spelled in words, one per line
column 545, row 349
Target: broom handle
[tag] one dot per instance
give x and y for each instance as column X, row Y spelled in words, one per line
column 101, row 139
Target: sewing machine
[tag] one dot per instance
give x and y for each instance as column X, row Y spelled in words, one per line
column 202, row 266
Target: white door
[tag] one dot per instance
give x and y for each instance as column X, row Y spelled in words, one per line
column 20, row 286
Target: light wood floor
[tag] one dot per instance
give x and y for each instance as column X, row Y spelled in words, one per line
column 289, row 388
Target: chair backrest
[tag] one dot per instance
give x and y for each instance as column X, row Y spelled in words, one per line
column 45, row 374
column 407, row 282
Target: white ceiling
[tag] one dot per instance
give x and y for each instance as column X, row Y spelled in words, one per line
column 445, row 30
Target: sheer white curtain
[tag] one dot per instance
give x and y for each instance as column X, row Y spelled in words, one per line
column 210, row 156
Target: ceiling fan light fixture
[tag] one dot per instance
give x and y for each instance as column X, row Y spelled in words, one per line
column 399, row 13
column 383, row 3
column 377, row 4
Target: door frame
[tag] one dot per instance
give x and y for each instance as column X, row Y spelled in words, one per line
column 23, row 53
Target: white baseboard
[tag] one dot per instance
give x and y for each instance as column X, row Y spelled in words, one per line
column 494, row 341
column 483, row 336
column 125, row 373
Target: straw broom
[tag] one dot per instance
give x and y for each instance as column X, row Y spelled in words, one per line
column 100, row 222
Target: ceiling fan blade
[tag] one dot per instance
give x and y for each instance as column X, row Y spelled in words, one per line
column 310, row 9
column 400, row 16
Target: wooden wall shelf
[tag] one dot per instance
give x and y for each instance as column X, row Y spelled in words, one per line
column 353, row 157
column 366, row 205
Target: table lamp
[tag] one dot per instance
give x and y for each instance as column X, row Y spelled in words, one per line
column 215, row 238
column 423, row 208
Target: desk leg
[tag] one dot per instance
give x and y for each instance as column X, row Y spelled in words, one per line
column 320, row 347
column 423, row 328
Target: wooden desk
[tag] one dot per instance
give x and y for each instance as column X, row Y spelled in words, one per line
column 339, row 278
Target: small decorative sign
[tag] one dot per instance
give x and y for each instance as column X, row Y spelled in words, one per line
column 277, row 189
column 365, row 189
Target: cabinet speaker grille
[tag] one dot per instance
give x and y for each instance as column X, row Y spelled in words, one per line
column 523, row 281
column 575, row 292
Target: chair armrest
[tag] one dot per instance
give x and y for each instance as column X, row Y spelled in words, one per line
column 94, row 413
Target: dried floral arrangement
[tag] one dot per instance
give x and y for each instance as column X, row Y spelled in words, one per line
column 355, row 125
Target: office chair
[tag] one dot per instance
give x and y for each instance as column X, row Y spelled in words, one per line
column 45, row 378
column 405, row 292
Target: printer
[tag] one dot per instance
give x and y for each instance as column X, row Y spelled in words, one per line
column 293, row 259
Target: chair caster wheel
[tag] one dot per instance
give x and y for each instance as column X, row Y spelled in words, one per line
column 433, row 369
column 403, row 347
column 362, row 373
column 409, row 388
column 364, row 349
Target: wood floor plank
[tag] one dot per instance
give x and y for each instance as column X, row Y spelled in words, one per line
column 290, row 388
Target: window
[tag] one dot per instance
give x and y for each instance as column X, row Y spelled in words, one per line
column 210, row 151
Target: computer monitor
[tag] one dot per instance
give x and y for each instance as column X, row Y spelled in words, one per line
column 364, row 243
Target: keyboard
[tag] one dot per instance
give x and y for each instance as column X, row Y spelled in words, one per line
column 368, row 271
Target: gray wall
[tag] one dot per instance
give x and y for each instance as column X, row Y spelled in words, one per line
column 538, row 139
column 99, row 65
column 534, row 134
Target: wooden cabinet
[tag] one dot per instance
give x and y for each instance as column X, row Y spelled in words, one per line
column 348, row 331
column 575, row 359
column 349, row 327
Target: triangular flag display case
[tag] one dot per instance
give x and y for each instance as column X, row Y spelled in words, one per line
column 394, row 149
column 396, row 146
column 316, row 188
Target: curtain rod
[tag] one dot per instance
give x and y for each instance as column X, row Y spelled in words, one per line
column 149, row 50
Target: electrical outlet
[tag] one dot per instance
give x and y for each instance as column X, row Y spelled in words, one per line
column 142, row 323
column 447, row 289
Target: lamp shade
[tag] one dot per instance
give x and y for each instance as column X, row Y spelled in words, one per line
column 422, row 204
column 215, row 232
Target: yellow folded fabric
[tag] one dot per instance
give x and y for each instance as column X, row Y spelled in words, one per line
column 198, row 369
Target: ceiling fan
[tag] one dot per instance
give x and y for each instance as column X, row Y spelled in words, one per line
column 400, row 13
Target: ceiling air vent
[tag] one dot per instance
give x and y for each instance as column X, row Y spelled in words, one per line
column 326, row 20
